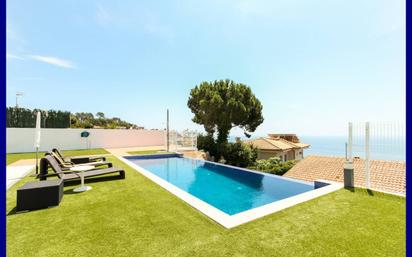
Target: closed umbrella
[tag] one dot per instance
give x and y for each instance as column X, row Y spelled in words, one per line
column 37, row 139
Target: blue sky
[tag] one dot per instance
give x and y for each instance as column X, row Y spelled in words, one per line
column 315, row 65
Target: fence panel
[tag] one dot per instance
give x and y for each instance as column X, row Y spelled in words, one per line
column 378, row 150
column 183, row 141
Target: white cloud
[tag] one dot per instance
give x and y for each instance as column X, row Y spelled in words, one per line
column 54, row 61
column 12, row 56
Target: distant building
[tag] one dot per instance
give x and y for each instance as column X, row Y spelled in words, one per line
column 285, row 146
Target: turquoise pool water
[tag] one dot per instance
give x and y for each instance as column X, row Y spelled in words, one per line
column 230, row 190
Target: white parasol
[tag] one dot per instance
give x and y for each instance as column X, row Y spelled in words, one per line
column 37, row 138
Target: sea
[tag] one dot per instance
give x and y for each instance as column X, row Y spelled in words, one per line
column 380, row 148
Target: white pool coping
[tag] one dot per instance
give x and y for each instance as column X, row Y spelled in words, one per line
column 230, row 221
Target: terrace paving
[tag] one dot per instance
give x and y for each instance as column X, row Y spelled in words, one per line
column 16, row 173
column 23, row 162
column 123, row 151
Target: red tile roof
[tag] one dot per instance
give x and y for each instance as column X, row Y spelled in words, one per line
column 389, row 176
column 279, row 144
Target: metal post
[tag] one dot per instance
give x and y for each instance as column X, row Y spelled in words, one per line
column 195, row 141
column 350, row 142
column 17, row 95
column 346, row 151
column 348, row 172
column 167, row 131
column 37, row 160
column 367, row 179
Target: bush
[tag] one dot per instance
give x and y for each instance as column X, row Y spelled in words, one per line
column 237, row 154
column 274, row 165
column 240, row 155
column 207, row 144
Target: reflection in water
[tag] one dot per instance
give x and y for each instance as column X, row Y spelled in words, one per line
column 238, row 184
column 237, row 175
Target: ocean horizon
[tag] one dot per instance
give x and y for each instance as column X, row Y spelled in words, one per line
column 380, row 149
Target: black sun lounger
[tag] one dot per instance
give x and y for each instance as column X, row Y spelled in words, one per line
column 50, row 161
column 67, row 165
column 79, row 159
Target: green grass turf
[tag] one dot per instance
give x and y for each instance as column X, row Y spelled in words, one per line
column 135, row 217
column 13, row 157
column 148, row 152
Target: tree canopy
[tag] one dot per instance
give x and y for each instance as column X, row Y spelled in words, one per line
column 223, row 104
column 88, row 120
column 26, row 118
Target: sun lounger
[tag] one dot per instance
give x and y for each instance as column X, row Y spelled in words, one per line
column 50, row 161
column 79, row 159
column 67, row 165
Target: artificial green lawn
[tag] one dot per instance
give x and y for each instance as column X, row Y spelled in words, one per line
column 148, row 152
column 13, row 157
column 135, row 217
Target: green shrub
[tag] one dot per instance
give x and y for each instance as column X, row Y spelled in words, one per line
column 240, row 155
column 207, row 144
column 237, row 154
column 274, row 165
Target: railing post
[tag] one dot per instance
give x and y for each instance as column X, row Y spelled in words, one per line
column 167, row 131
column 367, row 133
column 348, row 176
column 350, row 141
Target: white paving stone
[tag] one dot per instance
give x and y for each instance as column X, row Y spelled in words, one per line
column 15, row 173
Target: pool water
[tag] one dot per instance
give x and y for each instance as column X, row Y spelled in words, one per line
column 228, row 189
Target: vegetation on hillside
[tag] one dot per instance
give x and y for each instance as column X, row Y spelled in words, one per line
column 88, row 120
column 26, row 118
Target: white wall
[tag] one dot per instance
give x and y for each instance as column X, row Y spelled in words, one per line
column 22, row 139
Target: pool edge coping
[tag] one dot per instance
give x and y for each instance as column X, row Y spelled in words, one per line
column 230, row 221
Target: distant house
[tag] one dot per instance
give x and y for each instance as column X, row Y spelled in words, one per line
column 285, row 146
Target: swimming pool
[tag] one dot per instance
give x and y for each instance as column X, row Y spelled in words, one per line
column 225, row 191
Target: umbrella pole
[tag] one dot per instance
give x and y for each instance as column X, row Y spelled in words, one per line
column 37, row 162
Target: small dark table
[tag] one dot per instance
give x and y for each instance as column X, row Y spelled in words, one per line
column 39, row 195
